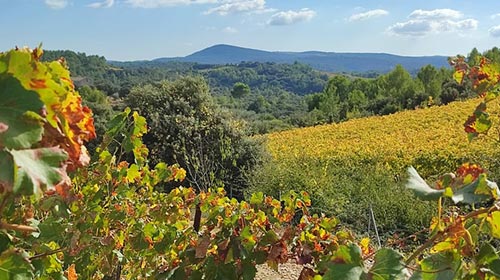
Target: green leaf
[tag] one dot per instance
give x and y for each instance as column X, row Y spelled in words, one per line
column 440, row 266
column 7, row 170
column 19, row 115
column 493, row 220
column 486, row 254
column 458, row 76
column 257, row 198
column 133, row 173
column 3, row 67
column 329, row 223
column 247, row 238
column 51, row 229
column 483, row 123
column 343, row 272
column 249, row 270
column 5, row 241
column 39, row 169
column 388, row 265
column 116, row 125
column 475, row 191
column 140, row 125
column 14, row 265
column 494, row 268
column 420, row 187
column 162, row 172
column 350, row 254
column 270, row 237
column 226, row 272
column 150, row 230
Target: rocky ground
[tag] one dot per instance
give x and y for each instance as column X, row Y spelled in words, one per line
column 287, row 271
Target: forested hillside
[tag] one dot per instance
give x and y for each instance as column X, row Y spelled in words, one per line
column 272, row 96
column 324, row 61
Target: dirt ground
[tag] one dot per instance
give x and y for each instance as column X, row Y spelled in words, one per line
column 287, row 271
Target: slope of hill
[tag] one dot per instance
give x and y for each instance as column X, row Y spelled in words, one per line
column 395, row 140
column 324, row 61
column 360, row 164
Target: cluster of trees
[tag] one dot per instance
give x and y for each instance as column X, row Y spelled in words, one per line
column 344, row 98
column 187, row 128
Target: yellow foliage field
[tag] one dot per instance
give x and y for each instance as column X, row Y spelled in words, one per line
column 394, row 140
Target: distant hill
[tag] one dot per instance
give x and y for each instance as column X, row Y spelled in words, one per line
column 324, row 61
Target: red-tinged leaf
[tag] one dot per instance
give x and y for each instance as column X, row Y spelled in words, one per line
column 307, row 274
column 202, row 247
column 3, row 127
column 304, row 256
column 38, row 169
column 348, row 254
column 278, row 253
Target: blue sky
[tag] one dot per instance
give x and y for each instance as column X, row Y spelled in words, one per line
column 147, row 29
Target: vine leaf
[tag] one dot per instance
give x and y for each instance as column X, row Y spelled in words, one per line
column 493, row 220
column 7, row 171
column 343, row 272
column 486, row 255
column 14, row 264
column 38, row 169
column 72, row 275
column 420, row 187
column 347, row 264
column 440, row 266
column 479, row 190
column 388, row 265
column 20, row 125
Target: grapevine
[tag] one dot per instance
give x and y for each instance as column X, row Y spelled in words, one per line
column 65, row 215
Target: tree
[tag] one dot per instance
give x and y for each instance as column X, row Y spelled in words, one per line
column 431, row 80
column 399, row 85
column 240, row 90
column 340, row 85
column 186, row 127
column 493, row 55
column 260, row 105
column 473, row 57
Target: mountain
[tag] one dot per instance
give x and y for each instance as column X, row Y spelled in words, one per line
column 324, row 61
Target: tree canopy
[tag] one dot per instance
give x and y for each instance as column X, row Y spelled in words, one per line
column 188, row 128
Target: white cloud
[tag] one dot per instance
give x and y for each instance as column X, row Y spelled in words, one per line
column 165, row 3
column 238, row 6
column 411, row 28
column 291, row 17
column 495, row 31
column 437, row 14
column 56, row 4
column 230, row 30
column 103, row 4
column 423, row 22
column 368, row 15
column 495, row 16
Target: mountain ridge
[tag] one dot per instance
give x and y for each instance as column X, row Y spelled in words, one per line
column 323, row 61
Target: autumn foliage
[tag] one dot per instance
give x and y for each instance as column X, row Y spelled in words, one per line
column 63, row 215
